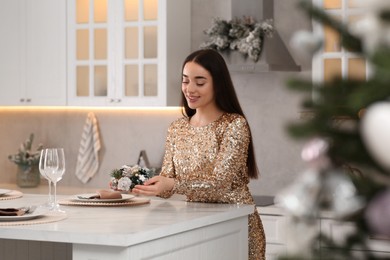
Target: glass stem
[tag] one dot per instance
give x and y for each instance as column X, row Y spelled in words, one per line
column 50, row 196
column 55, row 194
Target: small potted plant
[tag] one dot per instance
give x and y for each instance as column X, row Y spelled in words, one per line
column 27, row 162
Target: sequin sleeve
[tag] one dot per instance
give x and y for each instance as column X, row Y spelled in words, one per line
column 168, row 166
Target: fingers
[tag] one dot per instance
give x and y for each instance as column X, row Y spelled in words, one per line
column 152, row 180
column 145, row 190
column 144, row 193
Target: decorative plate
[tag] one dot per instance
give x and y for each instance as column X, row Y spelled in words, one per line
column 35, row 214
column 4, row 191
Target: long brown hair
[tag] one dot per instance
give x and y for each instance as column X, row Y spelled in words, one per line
column 224, row 92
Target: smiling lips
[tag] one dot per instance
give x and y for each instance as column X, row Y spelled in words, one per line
column 192, row 99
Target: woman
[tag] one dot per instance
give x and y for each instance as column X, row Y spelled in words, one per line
column 209, row 154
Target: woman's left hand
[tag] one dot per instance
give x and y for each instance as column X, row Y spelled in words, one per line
column 154, row 186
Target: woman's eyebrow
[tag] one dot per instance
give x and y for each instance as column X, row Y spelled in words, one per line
column 196, row 77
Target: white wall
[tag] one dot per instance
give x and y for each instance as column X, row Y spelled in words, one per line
column 264, row 97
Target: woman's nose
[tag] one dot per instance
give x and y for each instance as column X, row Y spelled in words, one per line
column 190, row 88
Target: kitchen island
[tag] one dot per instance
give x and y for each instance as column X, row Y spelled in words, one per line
column 160, row 229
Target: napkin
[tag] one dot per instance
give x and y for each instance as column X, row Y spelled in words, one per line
column 106, row 194
column 12, row 212
column 88, row 157
column 109, row 194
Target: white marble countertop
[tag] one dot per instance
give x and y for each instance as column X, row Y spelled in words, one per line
column 121, row 226
column 271, row 210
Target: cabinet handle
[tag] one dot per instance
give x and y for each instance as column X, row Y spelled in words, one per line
column 21, row 100
column 118, row 100
column 28, row 100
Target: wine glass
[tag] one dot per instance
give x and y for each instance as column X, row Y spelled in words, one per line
column 42, row 160
column 54, row 168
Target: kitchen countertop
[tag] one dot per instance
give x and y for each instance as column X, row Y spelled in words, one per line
column 121, row 226
column 265, row 204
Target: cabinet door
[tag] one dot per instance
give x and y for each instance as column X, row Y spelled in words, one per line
column 45, row 52
column 10, row 51
column 33, row 52
column 338, row 231
column 112, row 52
column 88, row 55
column 124, row 52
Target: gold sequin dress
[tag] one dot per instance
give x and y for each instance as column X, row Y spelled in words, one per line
column 208, row 164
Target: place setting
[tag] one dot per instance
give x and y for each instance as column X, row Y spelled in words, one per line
column 6, row 194
column 104, row 197
column 21, row 213
column 119, row 191
column 28, row 215
column 52, row 167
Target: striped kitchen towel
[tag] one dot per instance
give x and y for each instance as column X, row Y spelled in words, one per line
column 88, row 157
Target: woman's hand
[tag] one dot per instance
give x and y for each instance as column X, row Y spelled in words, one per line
column 154, row 186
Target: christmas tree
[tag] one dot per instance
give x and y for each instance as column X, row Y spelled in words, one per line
column 348, row 155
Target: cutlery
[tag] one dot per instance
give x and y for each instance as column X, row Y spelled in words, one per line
column 95, row 196
column 29, row 209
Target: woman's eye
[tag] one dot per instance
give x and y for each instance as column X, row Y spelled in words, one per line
column 199, row 84
column 185, row 82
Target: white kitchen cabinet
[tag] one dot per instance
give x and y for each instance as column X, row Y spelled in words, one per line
column 161, row 230
column 274, row 224
column 279, row 232
column 337, row 231
column 126, row 52
column 33, row 52
column 274, row 228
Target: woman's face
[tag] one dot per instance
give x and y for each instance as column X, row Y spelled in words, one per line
column 197, row 86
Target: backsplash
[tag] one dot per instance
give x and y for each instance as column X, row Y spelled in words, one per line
column 123, row 134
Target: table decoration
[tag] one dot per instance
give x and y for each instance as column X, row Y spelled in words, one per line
column 125, row 178
column 27, row 162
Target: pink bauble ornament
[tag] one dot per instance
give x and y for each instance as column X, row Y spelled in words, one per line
column 378, row 214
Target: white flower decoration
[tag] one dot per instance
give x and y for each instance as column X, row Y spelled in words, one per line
column 124, row 183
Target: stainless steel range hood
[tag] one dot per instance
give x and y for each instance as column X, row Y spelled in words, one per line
column 275, row 55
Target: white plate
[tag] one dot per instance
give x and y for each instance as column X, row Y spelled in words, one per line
column 37, row 213
column 83, row 197
column 4, row 191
